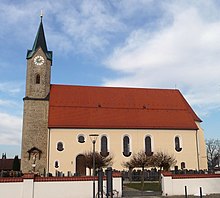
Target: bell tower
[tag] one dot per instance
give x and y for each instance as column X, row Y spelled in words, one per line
column 36, row 105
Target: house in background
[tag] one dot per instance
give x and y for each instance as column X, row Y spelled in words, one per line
column 58, row 120
column 9, row 164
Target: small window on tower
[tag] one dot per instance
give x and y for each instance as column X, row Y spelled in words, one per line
column 60, row 146
column 37, row 79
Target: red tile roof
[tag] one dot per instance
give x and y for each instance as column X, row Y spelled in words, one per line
column 6, row 164
column 108, row 107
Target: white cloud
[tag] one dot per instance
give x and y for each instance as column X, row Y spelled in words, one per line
column 11, row 88
column 82, row 27
column 88, row 26
column 8, row 103
column 184, row 53
column 10, row 129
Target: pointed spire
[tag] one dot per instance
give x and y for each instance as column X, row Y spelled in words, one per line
column 40, row 41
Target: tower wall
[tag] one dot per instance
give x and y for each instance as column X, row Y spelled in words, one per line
column 34, row 134
column 35, row 116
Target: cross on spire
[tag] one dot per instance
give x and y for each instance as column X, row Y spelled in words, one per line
column 41, row 14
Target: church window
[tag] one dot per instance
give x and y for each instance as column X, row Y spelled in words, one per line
column 148, row 148
column 60, row 146
column 183, row 165
column 37, row 79
column 126, row 146
column 56, row 164
column 104, row 146
column 81, row 139
column 177, row 144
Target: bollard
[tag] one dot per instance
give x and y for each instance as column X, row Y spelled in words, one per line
column 100, row 183
column 200, row 190
column 186, row 192
column 109, row 187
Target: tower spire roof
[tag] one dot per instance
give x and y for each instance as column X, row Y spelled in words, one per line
column 40, row 41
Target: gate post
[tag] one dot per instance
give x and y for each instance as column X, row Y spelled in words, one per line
column 109, row 182
column 100, row 183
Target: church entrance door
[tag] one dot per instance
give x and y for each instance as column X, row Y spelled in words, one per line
column 81, row 165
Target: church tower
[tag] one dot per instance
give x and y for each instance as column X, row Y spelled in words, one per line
column 36, row 105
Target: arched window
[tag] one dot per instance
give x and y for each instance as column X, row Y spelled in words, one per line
column 81, row 139
column 126, row 146
column 183, row 165
column 56, row 164
column 60, row 146
column 148, row 148
column 37, row 79
column 177, row 144
column 104, row 146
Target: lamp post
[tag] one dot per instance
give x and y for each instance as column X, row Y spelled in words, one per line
column 93, row 138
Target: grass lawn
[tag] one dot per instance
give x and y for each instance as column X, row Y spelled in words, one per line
column 152, row 186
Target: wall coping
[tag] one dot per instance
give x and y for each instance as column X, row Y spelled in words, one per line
column 10, row 179
column 190, row 176
column 52, row 179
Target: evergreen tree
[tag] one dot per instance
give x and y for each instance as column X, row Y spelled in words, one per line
column 16, row 164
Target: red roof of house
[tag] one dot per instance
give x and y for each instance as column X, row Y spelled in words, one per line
column 108, row 107
column 6, row 164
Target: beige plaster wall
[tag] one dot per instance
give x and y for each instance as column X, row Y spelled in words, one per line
column 202, row 148
column 162, row 140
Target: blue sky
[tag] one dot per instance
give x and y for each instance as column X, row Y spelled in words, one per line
column 135, row 43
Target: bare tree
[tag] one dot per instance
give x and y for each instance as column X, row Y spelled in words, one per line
column 100, row 161
column 130, row 167
column 139, row 160
column 163, row 160
column 213, row 152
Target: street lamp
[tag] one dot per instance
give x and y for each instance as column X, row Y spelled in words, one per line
column 93, row 138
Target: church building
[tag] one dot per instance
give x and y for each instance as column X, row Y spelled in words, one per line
column 58, row 121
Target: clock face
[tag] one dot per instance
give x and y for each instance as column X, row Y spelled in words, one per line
column 38, row 60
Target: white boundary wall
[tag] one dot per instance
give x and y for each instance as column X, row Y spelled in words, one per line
column 53, row 187
column 175, row 184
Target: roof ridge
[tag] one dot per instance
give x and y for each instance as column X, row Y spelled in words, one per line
column 116, row 87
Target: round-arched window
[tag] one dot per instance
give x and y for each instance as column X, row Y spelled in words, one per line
column 126, row 146
column 177, row 144
column 104, row 146
column 60, row 146
column 56, row 164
